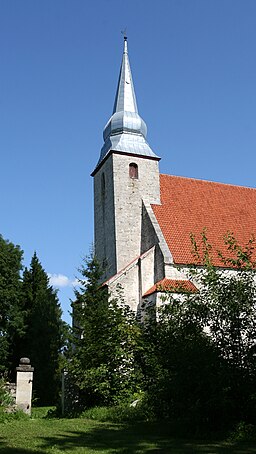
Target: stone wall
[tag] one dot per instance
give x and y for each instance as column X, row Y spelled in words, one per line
column 128, row 196
column 118, row 208
column 104, row 220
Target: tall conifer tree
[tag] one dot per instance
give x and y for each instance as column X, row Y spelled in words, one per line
column 44, row 327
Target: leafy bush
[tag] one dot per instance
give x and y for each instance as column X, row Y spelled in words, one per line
column 14, row 415
column 123, row 413
column 243, row 432
column 5, row 397
column 42, row 412
column 7, row 408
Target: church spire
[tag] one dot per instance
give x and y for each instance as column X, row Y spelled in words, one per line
column 125, row 131
column 125, row 96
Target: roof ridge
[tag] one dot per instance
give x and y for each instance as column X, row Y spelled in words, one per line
column 208, row 181
column 129, row 265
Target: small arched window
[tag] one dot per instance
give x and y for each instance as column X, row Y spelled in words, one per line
column 133, row 171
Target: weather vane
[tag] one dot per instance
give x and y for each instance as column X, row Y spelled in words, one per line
column 124, row 32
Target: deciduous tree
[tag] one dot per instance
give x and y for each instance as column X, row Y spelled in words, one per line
column 102, row 364
column 11, row 314
column 200, row 357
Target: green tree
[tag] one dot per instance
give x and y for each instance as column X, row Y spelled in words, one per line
column 102, row 364
column 230, row 299
column 181, row 365
column 11, row 314
column 199, row 359
column 43, row 340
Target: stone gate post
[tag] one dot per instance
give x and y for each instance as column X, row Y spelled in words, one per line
column 24, row 383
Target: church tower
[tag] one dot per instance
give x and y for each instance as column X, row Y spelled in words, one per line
column 125, row 177
column 144, row 243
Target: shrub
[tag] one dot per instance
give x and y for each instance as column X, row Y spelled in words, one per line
column 6, row 399
column 243, row 432
column 122, row 413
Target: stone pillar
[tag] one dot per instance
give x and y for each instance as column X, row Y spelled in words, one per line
column 24, row 383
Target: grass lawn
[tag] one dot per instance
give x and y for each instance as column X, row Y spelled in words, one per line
column 39, row 435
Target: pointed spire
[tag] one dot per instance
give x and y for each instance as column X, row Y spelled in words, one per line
column 125, row 131
column 125, row 96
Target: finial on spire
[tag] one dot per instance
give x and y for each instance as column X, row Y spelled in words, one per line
column 124, row 32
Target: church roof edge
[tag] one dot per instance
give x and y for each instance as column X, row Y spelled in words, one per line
column 101, row 162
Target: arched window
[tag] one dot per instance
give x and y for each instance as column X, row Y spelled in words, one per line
column 133, row 171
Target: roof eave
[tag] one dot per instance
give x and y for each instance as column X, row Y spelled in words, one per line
column 153, row 158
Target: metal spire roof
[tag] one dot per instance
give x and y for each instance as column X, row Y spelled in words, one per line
column 125, row 131
column 125, row 96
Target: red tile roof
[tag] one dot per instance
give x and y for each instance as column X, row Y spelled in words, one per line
column 174, row 286
column 189, row 206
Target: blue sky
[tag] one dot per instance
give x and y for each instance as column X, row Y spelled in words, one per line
column 194, row 70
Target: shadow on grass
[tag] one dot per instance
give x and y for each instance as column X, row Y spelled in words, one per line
column 5, row 449
column 121, row 439
column 140, row 438
column 8, row 450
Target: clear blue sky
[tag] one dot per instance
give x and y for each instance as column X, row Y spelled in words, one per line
column 194, row 70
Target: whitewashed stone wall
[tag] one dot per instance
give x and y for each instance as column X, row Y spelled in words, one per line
column 126, row 285
column 147, row 271
column 134, row 280
column 118, row 208
column 104, row 219
column 129, row 194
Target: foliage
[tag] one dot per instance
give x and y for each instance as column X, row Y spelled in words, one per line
column 8, row 412
column 102, row 363
column 243, row 432
column 41, row 412
column 30, row 321
column 11, row 318
column 182, row 368
column 43, row 338
column 7, row 417
column 5, row 397
column 121, row 413
column 230, row 299
column 199, row 358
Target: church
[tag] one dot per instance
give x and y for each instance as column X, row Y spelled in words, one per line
column 144, row 220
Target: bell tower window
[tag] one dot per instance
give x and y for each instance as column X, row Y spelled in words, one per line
column 133, row 171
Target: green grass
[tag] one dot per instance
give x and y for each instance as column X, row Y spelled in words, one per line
column 41, row 435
